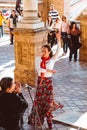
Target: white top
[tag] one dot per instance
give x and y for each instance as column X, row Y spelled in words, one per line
column 57, row 25
column 49, row 64
column 54, row 14
column 65, row 27
column 20, row 18
column 48, row 26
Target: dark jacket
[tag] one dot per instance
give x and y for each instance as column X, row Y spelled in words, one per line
column 74, row 43
column 12, row 106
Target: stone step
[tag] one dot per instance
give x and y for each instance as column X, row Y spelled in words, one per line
column 7, row 2
column 74, row 119
column 6, row 6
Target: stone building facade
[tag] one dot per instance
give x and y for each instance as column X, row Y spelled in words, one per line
column 83, row 26
column 28, row 41
column 62, row 6
column 28, row 47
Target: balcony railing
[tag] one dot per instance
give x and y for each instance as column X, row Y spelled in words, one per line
column 6, row 1
column 72, row 2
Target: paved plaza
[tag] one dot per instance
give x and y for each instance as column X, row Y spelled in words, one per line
column 70, row 83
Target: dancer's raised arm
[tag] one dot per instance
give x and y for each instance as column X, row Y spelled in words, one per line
column 56, row 55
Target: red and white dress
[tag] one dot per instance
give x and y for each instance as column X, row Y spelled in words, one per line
column 44, row 93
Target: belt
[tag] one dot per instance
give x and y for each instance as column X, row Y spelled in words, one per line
column 45, row 77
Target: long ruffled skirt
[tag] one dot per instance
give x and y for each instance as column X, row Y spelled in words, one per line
column 42, row 106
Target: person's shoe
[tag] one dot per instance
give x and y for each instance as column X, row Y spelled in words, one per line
column 70, row 59
column 75, row 60
column 57, row 106
column 11, row 43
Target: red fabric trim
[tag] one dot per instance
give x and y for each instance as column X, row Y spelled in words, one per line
column 43, row 64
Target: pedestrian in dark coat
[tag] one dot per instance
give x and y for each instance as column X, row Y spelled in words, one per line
column 74, row 43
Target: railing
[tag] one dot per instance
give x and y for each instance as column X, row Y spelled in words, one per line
column 9, row 0
column 3, row 1
column 72, row 2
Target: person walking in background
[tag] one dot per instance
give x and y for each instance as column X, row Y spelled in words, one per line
column 51, row 34
column 53, row 13
column 44, row 102
column 18, row 6
column 64, row 33
column 74, row 43
column 12, row 24
column 2, row 18
column 12, row 104
column 57, row 29
column 49, row 23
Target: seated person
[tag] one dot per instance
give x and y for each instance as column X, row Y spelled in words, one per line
column 12, row 104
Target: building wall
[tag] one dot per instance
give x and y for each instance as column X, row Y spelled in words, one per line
column 62, row 6
column 58, row 4
column 83, row 26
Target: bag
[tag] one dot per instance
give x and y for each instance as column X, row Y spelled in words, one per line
column 79, row 44
column 74, row 48
column 70, row 44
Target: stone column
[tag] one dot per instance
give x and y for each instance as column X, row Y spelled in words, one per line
column 30, row 18
column 30, row 8
column 83, row 24
column 29, row 36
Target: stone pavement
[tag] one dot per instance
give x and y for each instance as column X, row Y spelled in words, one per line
column 6, row 57
column 70, row 83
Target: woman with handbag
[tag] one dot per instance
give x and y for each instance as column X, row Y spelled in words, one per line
column 64, row 33
column 57, row 29
column 74, row 34
column 51, row 38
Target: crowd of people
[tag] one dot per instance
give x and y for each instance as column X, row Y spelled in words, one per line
column 11, row 21
column 13, row 104
column 59, row 30
column 64, row 31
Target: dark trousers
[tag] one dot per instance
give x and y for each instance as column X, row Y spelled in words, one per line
column 11, row 35
column 75, row 56
column 65, row 46
column 65, row 41
column 1, row 31
column 52, row 38
column 18, row 9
